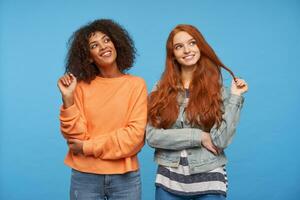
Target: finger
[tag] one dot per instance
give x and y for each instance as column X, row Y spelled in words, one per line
column 65, row 82
column 242, row 82
column 238, row 81
column 71, row 141
column 212, row 150
column 65, row 78
column 72, row 76
column 59, row 83
column 62, row 81
column 74, row 79
column 68, row 79
column 218, row 150
column 235, row 82
column 242, row 85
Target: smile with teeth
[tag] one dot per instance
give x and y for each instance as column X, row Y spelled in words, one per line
column 106, row 54
column 188, row 57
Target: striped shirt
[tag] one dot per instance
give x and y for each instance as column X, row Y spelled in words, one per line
column 179, row 180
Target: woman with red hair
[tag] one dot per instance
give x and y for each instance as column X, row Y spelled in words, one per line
column 192, row 119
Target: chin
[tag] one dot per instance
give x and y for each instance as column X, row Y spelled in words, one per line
column 108, row 61
column 189, row 64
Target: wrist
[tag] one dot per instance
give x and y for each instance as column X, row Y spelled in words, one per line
column 67, row 101
column 236, row 93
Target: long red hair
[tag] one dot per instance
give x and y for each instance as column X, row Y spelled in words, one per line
column 205, row 101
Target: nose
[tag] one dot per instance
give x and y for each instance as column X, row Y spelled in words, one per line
column 101, row 46
column 186, row 49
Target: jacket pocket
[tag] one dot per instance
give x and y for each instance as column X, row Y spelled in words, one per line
column 206, row 156
column 167, row 158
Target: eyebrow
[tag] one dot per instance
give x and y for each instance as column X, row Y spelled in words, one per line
column 96, row 41
column 181, row 43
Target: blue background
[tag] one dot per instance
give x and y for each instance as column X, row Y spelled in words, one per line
column 259, row 40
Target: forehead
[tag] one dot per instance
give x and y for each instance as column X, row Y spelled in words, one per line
column 96, row 36
column 182, row 37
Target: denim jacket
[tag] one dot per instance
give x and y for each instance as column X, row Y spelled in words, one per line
column 169, row 143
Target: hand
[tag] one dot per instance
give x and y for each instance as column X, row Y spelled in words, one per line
column 207, row 143
column 238, row 86
column 67, row 85
column 76, row 146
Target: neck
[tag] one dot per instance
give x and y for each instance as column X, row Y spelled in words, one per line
column 111, row 71
column 187, row 75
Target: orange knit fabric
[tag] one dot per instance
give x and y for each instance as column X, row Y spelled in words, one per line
column 110, row 116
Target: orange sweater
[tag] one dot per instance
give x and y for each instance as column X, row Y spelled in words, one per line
column 110, row 116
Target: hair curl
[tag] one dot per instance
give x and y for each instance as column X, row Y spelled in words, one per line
column 77, row 60
column 204, row 107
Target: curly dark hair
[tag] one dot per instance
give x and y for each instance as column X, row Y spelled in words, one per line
column 77, row 60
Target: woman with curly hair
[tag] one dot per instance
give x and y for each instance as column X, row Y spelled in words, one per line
column 104, row 113
column 192, row 119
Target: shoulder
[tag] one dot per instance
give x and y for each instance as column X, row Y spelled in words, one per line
column 226, row 93
column 155, row 86
column 82, row 86
column 136, row 81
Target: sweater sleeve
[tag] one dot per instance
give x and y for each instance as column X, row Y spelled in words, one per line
column 127, row 141
column 73, row 123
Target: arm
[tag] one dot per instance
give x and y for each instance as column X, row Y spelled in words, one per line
column 73, row 124
column 127, row 141
column 173, row 139
column 233, row 102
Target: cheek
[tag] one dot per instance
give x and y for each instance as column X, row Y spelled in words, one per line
column 177, row 55
column 93, row 53
column 112, row 46
column 91, row 57
column 198, row 52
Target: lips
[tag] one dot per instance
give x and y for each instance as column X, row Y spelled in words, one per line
column 188, row 57
column 106, row 53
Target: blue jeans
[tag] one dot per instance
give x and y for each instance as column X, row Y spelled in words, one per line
column 86, row 186
column 161, row 194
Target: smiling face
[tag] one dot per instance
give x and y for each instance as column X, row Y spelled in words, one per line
column 185, row 49
column 102, row 50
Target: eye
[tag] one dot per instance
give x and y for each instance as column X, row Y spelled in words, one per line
column 106, row 40
column 177, row 47
column 93, row 46
column 192, row 43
